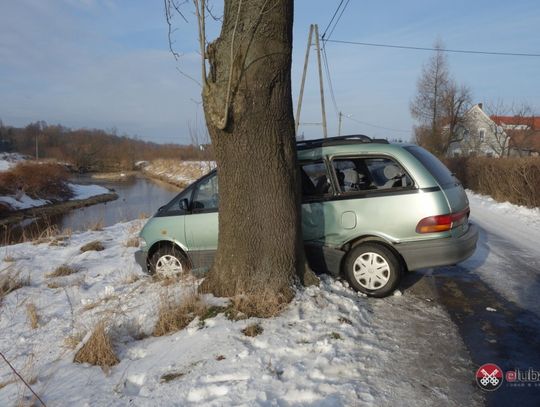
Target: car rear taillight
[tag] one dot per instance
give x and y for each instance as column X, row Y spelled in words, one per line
column 442, row 223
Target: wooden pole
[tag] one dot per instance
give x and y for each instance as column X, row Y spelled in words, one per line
column 300, row 97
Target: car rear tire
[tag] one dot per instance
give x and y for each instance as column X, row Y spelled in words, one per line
column 168, row 261
column 373, row 269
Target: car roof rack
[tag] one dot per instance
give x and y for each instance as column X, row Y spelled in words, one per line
column 335, row 141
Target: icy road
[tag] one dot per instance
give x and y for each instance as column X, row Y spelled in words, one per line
column 493, row 297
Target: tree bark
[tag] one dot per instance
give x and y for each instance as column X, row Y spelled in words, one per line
column 248, row 108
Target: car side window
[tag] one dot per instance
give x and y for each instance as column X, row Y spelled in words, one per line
column 206, row 195
column 315, row 181
column 370, row 173
column 179, row 205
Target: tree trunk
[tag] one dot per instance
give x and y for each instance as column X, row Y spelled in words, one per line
column 248, row 108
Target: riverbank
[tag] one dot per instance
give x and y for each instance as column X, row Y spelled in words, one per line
column 177, row 173
column 53, row 209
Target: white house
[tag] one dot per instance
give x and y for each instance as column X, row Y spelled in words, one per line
column 479, row 135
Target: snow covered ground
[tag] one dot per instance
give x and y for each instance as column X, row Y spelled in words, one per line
column 23, row 201
column 331, row 347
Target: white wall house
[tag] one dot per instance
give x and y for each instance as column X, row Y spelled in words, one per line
column 479, row 135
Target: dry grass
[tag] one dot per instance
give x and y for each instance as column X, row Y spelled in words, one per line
column 72, row 341
column 264, row 304
column 9, row 259
column 11, row 281
column 64, row 270
column 131, row 278
column 253, row 330
column 47, row 235
column 174, row 316
column 336, row 336
column 32, row 315
column 54, row 284
column 96, row 245
column 132, row 242
column 97, row 226
column 98, row 350
column 99, row 302
column 167, row 377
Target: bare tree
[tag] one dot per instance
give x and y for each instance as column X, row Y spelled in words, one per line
column 246, row 91
column 439, row 105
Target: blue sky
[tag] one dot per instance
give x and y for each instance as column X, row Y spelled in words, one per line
column 105, row 63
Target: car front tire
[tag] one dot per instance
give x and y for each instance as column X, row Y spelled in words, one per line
column 373, row 269
column 168, row 261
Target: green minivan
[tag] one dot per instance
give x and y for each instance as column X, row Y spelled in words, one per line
column 370, row 211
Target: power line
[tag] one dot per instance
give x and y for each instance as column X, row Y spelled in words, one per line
column 458, row 51
column 339, row 18
column 329, row 76
column 376, row 126
column 332, row 19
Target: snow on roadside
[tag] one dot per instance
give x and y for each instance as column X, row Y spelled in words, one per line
column 330, row 347
column 527, row 216
column 23, row 201
column 508, row 254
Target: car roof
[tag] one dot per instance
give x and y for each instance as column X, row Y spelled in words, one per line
column 314, row 150
column 351, row 144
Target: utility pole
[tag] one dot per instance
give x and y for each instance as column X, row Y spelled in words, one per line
column 339, row 125
column 301, row 96
column 323, row 110
column 37, row 148
column 312, row 28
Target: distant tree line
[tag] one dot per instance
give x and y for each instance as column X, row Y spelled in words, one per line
column 91, row 149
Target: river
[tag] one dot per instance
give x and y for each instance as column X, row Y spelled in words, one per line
column 137, row 197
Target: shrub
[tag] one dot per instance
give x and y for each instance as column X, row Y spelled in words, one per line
column 505, row 179
column 39, row 181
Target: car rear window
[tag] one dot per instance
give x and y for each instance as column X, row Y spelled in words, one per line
column 442, row 175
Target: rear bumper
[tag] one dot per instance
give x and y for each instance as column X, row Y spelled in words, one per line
column 439, row 252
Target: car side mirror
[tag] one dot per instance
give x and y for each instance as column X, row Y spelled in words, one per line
column 183, row 204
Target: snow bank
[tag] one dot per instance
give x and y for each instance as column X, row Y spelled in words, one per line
column 87, row 191
column 179, row 172
column 331, row 347
column 8, row 160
